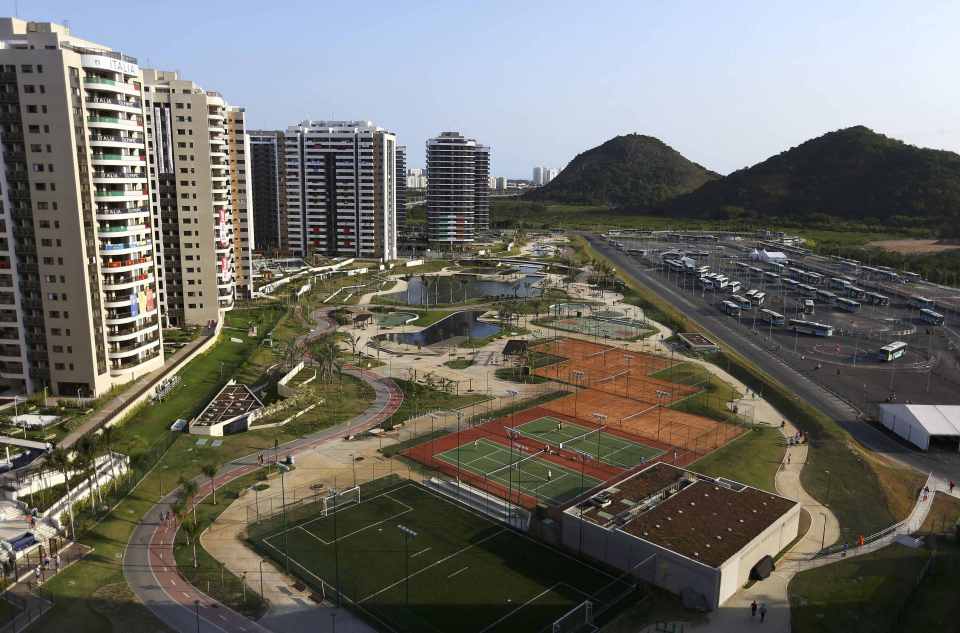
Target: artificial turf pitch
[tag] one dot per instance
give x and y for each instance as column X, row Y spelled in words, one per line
column 516, row 470
column 600, row 445
column 466, row 573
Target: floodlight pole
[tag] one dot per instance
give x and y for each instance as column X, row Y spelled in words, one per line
column 283, row 504
column 407, row 535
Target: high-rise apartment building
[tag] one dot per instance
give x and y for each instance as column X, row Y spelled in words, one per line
column 78, row 287
column 193, row 215
column 341, row 189
column 538, row 176
column 269, row 191
column 241, row 198
column 458, row 197
column 401, row 183
column 543, row 175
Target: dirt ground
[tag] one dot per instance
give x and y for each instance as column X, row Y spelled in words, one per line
column 914, row 247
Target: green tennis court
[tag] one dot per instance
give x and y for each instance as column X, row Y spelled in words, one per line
column 516, row 470
column 600, row 445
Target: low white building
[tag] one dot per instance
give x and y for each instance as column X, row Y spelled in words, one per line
column 924, row 424
column 699, row 537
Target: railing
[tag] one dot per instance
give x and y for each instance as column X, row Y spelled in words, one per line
column 116, row 139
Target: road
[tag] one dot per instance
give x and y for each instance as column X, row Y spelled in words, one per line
column 946, row 466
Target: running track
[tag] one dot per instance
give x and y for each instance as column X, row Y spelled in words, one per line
column 148, row 562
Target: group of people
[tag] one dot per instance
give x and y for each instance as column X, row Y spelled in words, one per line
column 44, row 566
column 761, row 608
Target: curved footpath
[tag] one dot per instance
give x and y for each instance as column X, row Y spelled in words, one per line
column 148, row 562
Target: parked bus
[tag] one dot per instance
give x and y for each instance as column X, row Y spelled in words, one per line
column 751, row 293
column 931, row 317
column 791, row 283
column 730, row 308
column 703, row 270
column 759, row 298
column 706, row 282
column 771, row 277
column 877, row 299
column 856, row 293
column 742, row 302
column 809, row 327
column 807, row 290
column 848, row 305
column 923, row 303
column 839, row 284
column 774, row 318
column 826, row 296
column 722, row 282
column 892, row 351
column 808, row 306
column 734, row 287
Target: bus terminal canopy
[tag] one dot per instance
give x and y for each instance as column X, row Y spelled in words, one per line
column 921, row 424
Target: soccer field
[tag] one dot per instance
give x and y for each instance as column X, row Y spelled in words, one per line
column 605, row 447
column 516, row 470
column 466, row 573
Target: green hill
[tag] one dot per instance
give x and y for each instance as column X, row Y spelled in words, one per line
column 853, row 174
column 632, row 172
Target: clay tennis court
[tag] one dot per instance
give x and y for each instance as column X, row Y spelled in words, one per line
column 612, row 370
column 693, row 433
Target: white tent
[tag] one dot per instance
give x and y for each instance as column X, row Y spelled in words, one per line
column 918, row 423
column 773, row 256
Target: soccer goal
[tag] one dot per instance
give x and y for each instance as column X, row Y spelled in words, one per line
column 577, row 619
column 338, row 499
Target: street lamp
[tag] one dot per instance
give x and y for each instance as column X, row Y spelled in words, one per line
column 261, row 579
column 196, row 606
column 283, row 468
column 407, row 535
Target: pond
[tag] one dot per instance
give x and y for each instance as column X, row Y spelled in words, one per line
column 458, row 325
column 448, row 289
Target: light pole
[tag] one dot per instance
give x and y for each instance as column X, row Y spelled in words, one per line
column 261, row 579
column 407, row 535
column 196, row 608
column 283, row 504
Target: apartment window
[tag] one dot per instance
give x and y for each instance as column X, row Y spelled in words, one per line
column 40, row 186
column 44, row 224
column 58, row 349
column 33, row 129
column 29, row 89
column 54, row 314
column 37, row 167
column 31, row 109
column 55, row 331
column 36, row 148
column 48, row 261
column 40, row 68
column 59, row 366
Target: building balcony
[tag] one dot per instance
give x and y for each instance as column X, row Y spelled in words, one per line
column 105, row 104
column 111, row 140
column 122, row 213
column 127, row 282
column 133, row 365
column 119, row 196
column 117, row 335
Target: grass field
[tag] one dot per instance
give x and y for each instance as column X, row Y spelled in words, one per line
column 460, row 573
column 753, row 459
column 533, row 476
column 608, row 448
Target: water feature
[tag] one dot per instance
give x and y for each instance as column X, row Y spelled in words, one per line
column 464, row 325
column 448, row 289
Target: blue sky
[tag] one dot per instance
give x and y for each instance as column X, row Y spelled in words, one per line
column 725, row 83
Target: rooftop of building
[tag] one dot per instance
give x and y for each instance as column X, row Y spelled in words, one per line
column 233, row 401
column 702, row 518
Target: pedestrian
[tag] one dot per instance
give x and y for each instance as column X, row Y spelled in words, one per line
column 57, row 562
column 39, row 572
column 788, row 459
column 753, row 609
column 843, row 554
column 783, row 423
column 549, row 475
column 763, row 612
column 951, row 486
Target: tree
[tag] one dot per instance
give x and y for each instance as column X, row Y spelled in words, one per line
column 210, row 470
column 188, row 488
column 108, row 443
column 193, row 530
column 60, row 459
column 87, row 460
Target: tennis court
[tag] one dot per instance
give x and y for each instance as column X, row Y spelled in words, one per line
column 413, row 561
column 600, row 445
column 516, row 469
column 604, row 327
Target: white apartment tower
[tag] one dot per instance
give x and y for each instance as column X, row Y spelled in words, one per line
column 191, row 198
column 78, row 286
column 341, row 189
column 458, row 195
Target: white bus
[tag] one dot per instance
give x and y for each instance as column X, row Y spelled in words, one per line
column 931, row 317
column 923, row 303
column 809, row 327
column 730, row 308
column 892, row 351
column 807, row 290
column 877, row 299
column 771, row 277
column 826, row 296
column 856, row 293
column 848, row 305
column 734, row 287
column 742, row 302
column 808, row 306
column 839, row 284
column 759, row 298
column 774, row 318
column 751, row 293
column 722, row 282
column 706, row 282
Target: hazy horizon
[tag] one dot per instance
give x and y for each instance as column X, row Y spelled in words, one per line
column 725, row 85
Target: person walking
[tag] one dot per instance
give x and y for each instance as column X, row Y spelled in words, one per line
column 951, row 486
column 763, row 612
column 753, row 609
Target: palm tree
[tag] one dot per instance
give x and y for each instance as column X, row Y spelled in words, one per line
column 87, row 460
column 191, row 529
column 108, row 442
column 188, row 488
column 60, row 459
column 210, row 470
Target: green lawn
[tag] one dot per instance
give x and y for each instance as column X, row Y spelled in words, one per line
column 712, row 399
column 873, row 592
column 418, row 399
column 753, row 458
column 461, row 573
column 459, row 363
